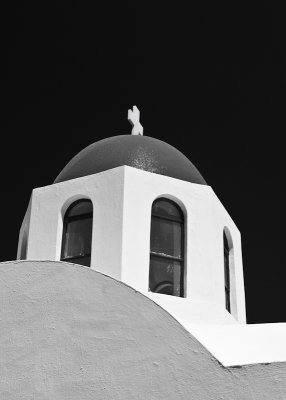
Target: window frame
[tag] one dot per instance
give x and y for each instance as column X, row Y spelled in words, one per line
column 226, row 262
column 181, row 260
column 66, row 220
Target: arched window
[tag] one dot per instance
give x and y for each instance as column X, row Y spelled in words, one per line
column 166, row 274
column 77, row 232
column 226, row 250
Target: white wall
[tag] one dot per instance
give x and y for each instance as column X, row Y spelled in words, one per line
column 122, row 201
column 49, row 204
column 205, row 220
column 70, row 333
column 238, row 344
column 24, row 235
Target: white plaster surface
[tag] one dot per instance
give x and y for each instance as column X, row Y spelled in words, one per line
column 134, row 118
column 68, row 332
column 48, row 206
column 231, row 343
column 205, row 220
column 242, row 344
column 24, row 235
column 122, row 201
column 189, row 311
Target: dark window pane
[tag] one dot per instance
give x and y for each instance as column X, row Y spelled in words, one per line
column 77, row 233
column 165, row 276
column 166, row 247
column 165, row 208
column 78, row 238
column 226, row 272
column 82, row 207
column 225, row 242
column 79, row 260
column 166, row 237
column 227, row 300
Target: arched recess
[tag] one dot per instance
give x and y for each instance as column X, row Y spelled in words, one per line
column 166, row 271
column 229, row 273
column 77, row 233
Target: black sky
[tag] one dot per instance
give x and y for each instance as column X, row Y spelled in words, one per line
column 208, row 78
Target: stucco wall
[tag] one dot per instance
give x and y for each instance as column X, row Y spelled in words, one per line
column 242, row 344
column 205, row 220
column 69, row 332
column 48, row 206
column 122, row 201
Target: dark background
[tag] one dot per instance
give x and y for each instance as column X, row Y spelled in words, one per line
column 208, row 78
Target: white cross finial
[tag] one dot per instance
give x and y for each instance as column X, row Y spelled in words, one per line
column 133, row 118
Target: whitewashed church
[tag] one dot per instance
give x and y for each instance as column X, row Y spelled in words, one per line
column 129, row 285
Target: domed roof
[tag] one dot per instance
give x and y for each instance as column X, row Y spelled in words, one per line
column 141, row 152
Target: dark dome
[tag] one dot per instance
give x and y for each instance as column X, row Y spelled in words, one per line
column 141, row 152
